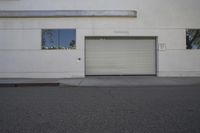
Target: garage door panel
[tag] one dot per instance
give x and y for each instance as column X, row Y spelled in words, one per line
column 120, row 57
column 117, row 55
column 109, row 45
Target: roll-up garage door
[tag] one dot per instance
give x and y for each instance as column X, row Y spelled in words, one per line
column 120, row 56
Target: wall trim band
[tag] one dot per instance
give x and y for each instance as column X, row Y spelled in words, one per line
column 67, row 13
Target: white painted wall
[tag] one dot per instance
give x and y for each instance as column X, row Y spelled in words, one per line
column 20, row 38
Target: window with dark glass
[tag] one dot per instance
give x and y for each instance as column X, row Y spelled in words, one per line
column 58, row 39
column 193, row 38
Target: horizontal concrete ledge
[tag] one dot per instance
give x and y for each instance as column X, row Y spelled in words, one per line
column 67, row 13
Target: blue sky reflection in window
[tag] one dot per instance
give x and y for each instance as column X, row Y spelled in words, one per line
column 58, row 39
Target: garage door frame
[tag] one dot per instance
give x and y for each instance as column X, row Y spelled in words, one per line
column 137, row 37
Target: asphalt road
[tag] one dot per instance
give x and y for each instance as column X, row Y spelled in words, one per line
column 167, row 109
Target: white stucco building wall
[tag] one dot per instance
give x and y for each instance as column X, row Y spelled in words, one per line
column 20, row 38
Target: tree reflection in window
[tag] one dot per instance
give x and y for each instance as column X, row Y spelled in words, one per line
column 58, row 39
column 193, row 39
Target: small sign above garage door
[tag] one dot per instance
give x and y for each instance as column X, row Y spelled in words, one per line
column 120, row 56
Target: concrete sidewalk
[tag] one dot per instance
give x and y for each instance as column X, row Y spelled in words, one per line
column 129, row 81
column 103, row 81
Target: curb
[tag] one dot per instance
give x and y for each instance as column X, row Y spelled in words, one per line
column 27, row 84
column 146, row 85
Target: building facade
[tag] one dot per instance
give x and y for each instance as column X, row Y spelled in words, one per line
column 66, row 39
